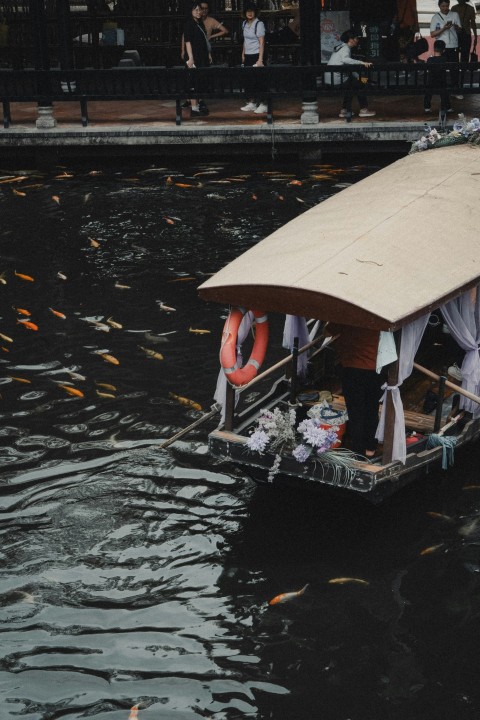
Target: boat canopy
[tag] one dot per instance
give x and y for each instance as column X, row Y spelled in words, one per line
column 378, row 254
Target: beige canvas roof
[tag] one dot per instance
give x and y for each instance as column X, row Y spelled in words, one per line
column 377, row 254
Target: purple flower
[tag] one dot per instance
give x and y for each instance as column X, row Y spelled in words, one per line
column 258, row 441
column 301, row 453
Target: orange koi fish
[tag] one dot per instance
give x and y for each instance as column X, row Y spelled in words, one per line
column 109, row 358
column 19, row 178
column 19, row 193
column 295, row 182
column 56, row 199
column 20, row 379
column 169, row 221
column 185, row 401
column 285, row 597
column 345, row 580
column 58, row 314
column 440, row 516
column 22, row 311
column 28, row 324
column 151, row 353
column 6, row 337
column 28, row 278
column 184, row 185
column 94, row 243
column 182, row 279
column 105, row 395
column 107, row 386
column 4, row 349
column 134, row 712
column 199, row 331
column 254, row 197
column 431, row 549
column 169, row 180
column 72, row 391
column 63, row 175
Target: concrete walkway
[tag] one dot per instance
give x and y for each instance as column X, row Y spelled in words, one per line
column 146, row 124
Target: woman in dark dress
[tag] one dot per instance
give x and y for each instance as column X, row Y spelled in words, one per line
column 197, row 54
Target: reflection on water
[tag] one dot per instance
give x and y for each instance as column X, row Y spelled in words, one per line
column 134, row 575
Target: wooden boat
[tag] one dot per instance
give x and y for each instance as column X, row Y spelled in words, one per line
column 380, row 254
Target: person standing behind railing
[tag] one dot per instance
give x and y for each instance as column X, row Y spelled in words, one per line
column 253, row 50
column 445, row 25
column 466, row 13
column 196, row 50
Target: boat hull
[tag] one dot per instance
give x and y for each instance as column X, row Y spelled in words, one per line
column 371, row 481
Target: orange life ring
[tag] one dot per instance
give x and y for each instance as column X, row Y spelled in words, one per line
column 228, row 352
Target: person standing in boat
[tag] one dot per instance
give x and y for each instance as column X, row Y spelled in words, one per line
column 357, row 350
column 342, row 55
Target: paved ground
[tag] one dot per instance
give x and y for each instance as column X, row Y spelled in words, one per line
column 147, row 126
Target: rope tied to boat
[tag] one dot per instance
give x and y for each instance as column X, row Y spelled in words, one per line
column 448, row 446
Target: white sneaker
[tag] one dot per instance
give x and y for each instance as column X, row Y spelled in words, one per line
column 458, row 97
column 261, row 108
column 343, row 113
column 365, row 112
column 455, row 372
column 249, row 107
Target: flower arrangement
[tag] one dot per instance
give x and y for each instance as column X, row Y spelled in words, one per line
column 463, row 132
column 312, row 439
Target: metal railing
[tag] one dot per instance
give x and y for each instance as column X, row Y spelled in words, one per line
column 276, row 81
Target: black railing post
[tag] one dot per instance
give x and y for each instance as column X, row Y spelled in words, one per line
column 441, row 396
column 64, row 34
column 42, row 64
column 229, row 407
column 293, row 379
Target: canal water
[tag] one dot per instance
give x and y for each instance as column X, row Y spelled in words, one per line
column 136, row 576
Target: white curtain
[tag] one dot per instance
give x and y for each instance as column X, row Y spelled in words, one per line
column 220, row 395
column 296, row 327
column 462, row 316
column 411, row 337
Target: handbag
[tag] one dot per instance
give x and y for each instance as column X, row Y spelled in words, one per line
column 416, row 48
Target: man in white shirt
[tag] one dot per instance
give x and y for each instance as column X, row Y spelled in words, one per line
column 445, row 25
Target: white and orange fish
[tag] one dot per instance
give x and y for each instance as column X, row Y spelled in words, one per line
column 346, row 580
column 431, row 549
column 114, row 324
column 58, row 314
column 134, row 712
column 20, row 379
column 151, row 353
column 199, row 331
column 285, row 597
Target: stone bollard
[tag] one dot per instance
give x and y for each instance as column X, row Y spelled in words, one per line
column 309, row 115
column 45, row 119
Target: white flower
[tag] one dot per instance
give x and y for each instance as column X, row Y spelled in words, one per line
column 258, row 441
column 302, row 453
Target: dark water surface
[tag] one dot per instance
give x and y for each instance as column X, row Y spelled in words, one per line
column 134, row 575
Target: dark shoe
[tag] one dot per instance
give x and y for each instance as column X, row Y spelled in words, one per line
column 199, row 112
column 202, row 104
column 186, row 104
